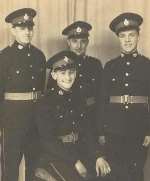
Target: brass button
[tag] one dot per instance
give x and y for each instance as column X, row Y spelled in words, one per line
column 17, row 71
column 126, row 74
column 128, row 63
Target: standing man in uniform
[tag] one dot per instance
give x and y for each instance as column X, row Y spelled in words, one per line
column 126, row 109
column 22, row 81
column 89, row 77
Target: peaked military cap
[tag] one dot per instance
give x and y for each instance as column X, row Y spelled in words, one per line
column 62, row 60
column 78, row 29
column 21, row 17
column 126, row 21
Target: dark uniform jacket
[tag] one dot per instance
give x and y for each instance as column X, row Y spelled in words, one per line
column 22, row 69
column 127, row 75
column 89, row 82
column 59, row 114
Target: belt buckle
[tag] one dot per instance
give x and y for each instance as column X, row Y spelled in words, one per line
column 34, row 96
column 126, row 99
column 74, row 137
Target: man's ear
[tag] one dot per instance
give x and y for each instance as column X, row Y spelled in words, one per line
column 87, row 42
column 68, row 42
column 54, row 75
column 13, row 30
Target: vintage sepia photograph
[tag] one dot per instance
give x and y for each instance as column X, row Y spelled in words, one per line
column 74, row 90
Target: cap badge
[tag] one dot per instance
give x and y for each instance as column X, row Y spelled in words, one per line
column 20, row 47
column 26, row 17
column 66, row 59
column 78, row 30
column 126, row 22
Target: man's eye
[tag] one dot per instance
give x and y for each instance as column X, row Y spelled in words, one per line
column 132, row 35
column 84, row 41
column 121, row 36
column 22, row 28
column 62, row 72
column 74, row 41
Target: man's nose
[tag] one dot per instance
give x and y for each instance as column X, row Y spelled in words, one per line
column 78, row 44
column 67, row 75
column 27, row 30
column 127, row 38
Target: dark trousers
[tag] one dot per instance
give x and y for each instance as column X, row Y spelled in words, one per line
column 19, row 137
column 126, row 156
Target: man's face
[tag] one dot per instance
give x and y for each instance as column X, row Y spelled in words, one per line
column 64, row 78
column 128, row 40
column 23, row 34
column 78, row 45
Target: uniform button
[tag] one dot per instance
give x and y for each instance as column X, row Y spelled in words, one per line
column 135, row 164
column 52, row 88
column 128, row 63
column 79, row 64
column 126, row 74
column 61, row 116
column 33, row 88
column 32, row 77
column 113, row 79
column 17, row 71
column 69, row 99
column 31, row 66
column 60, row 92
column 80, row 75
column 29, row 54
column 81, row 114
column 126, row 84
column 134, row 55
column 71, row 111
column 93, row 79
column 81, row 86
column 126, row 107
column 73, row 123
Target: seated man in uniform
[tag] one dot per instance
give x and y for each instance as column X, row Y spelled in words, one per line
column 63, row 126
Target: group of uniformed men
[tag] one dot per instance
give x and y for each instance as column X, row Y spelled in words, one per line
column 91, row 123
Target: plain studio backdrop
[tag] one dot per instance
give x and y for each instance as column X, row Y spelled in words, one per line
column 54, row 15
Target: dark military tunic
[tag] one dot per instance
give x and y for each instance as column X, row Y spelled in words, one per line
column 126, row 125
column 89, row 82
column 22, row 71
column 59, row 114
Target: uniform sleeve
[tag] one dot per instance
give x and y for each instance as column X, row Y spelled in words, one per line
column 99, row 99
column 148, row 117
column 43, row 79
column 2, row 75
column 100, row 117
column 46, row 124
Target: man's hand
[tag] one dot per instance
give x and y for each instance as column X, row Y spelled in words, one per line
column 146, row 141
column 44, row 175
column 81, row 168
column 102, row 167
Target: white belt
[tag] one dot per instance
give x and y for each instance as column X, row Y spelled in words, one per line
column 24, row 96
